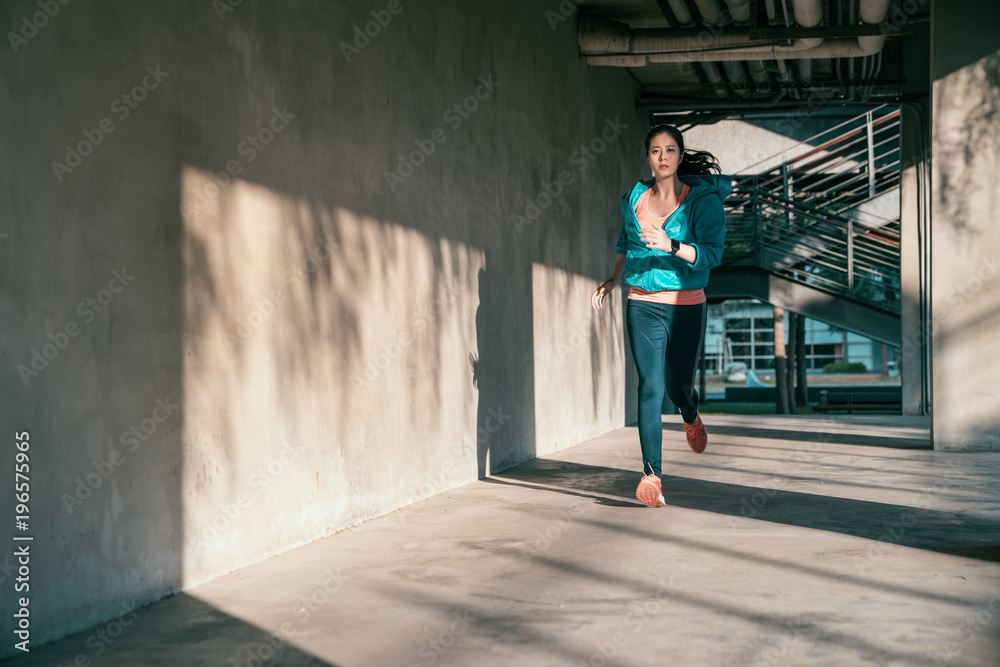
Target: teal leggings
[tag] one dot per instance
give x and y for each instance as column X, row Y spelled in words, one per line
column 665, row 341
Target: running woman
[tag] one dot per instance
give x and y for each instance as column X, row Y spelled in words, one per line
column 673, row 235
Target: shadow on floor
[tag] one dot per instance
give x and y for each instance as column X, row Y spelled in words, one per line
column 180, row 630
column 819, row 433
column 925, row 528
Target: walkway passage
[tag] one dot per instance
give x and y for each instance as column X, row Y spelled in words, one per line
column 791, row 541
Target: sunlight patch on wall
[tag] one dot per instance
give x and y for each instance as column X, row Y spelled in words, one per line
column 575, row 348
column 326, row 369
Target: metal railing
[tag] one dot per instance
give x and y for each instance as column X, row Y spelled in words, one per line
column 795, row 219
column 858, row 159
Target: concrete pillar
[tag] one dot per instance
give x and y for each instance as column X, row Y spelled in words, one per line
column 913, row 226
column 965, row 245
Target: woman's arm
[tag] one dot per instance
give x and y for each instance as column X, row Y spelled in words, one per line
column 687, row 252
column 657, row 239
column 709, row 233
column 597, row 300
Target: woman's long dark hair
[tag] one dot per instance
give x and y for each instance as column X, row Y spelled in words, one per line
column 693, row 163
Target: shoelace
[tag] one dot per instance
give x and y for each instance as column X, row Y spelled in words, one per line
column 697, row 428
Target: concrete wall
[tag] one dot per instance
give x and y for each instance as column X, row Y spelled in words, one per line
column 281, row 288
column 965, row 250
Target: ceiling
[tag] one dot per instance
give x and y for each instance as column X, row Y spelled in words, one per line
column 694, row 56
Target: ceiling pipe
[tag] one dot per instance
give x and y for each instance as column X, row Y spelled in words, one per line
column 714, row 76
column 758, row 71
column 805, row 71
column 772, row 13
column 711, row 11
column 618, row 61
column 809, row 13
column 737, row 75
column 682, row 12
column 603, row 37
column 712, row 14
column 739, row 10
column 783, row 72
column 872, row 12
column 850, row 75
column 657, row 41
column 785, row 76
column 656, row 48
column 831, row 48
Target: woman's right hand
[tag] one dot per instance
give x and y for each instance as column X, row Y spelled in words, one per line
column 597, row 300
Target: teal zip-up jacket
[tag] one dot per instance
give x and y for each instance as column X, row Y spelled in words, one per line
column 700, row 221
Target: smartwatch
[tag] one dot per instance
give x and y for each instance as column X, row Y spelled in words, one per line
column 675, row 245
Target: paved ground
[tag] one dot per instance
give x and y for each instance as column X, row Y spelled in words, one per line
column 791, row 541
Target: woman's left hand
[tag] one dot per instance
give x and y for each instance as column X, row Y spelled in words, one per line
column 655, row 239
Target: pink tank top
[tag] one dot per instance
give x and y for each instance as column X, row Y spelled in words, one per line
column 685, row 297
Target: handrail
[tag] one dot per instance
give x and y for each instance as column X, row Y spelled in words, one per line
column 824, row 158
column 813, row 211
column 813, row 138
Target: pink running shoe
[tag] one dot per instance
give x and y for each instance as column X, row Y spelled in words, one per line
column 696, row 435
column 649, row 492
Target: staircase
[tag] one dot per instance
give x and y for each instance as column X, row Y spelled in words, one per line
column 816, row 229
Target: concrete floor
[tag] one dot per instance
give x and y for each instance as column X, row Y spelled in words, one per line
column 791, row 541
